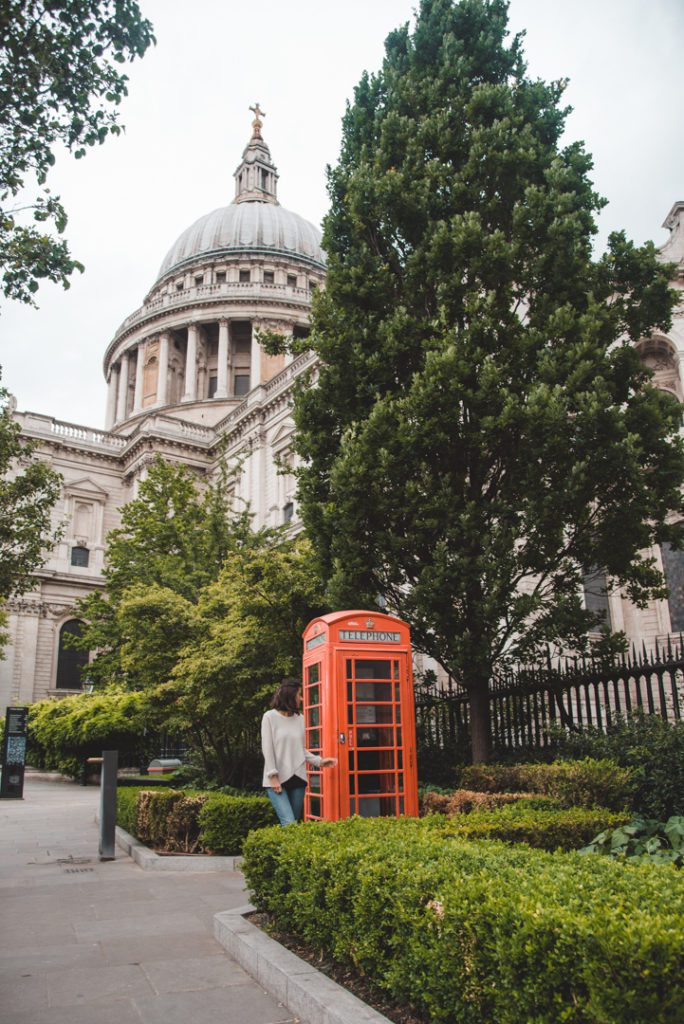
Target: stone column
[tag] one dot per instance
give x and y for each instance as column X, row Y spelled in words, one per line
column 255, row 360
column 123, row 389
column 139, row 368
column 111, row 397
column 222, row 376
column 190, row 393
column 27, row 677
column 163, row 369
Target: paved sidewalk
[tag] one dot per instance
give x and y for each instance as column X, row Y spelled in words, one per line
column 90, row 942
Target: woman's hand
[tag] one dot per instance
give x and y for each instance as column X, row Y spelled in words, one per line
column 275, row 784
column 328, row 762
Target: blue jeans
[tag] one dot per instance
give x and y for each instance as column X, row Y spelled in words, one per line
column 287, row 805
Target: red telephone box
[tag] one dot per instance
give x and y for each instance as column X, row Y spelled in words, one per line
column 358, row 707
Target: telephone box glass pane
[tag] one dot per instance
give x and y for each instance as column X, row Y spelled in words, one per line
column 374, row 714
column 374, row 691
column 314, row 673
column 377, row 783
column 313, row 739
column 367, row 737
column 314, row 696
column 314, row 782
column 314, row 716
column 315, row 805
column 377, row 806
column 375, row 760
column 373, row 669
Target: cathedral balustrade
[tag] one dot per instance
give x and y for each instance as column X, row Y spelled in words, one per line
column 46, row 426
column 238, row 290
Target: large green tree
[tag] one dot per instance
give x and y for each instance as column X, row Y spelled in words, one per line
column 60, row 85
column 29, row 489
column 482, row 432
column 173, row 540
column 244, row 636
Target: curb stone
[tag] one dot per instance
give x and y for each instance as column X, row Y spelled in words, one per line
column 148, row 860
column 306, row 992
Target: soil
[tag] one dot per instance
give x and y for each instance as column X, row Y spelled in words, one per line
column 344, row 974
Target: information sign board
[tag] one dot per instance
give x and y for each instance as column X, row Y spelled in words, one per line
column 14, row 753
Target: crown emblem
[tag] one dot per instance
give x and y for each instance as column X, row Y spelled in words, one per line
column 369, row 623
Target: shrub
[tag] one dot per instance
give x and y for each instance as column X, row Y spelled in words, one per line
column 183, row 826
column 544, row 829
column 154, row 810
column 468, row 932
column 173, row 821
column 127, row 809
column 651, row 748
column 644, row 839
column 64, row 732
column 225, row 821
column 584, row 783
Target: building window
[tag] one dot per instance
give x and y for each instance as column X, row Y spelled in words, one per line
column 199, row 280
column 596, row 595
column 70, row 662
column 312, row 286
column 264, row 179
column 245, row 277
column 213, row 384
column 241, row 383
column 80, row 556
column 673, row 565
column 288, row 512
column 179, row 286
column 221, row 277
column 291, row 281
column 269, row 277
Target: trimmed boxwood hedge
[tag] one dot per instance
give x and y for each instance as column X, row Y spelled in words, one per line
column 468, row 932
column 588, row 782
column 541, row 828
column 187, row 821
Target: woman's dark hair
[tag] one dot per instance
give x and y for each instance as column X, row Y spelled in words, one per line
column 285, row 698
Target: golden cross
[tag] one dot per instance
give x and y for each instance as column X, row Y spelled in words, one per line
column 256, row 123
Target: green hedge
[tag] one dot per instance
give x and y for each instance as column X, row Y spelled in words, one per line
column 127, row 809
column 589, row 782
column 469, row 932
column 541, row 828
column 650, row 747
column 186, row 821
column 225, row 821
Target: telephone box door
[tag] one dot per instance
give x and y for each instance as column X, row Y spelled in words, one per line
column 373, row 696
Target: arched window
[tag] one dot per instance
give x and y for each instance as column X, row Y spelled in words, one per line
column 70, row 662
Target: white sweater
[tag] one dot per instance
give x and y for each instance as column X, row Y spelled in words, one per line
column 282, row 743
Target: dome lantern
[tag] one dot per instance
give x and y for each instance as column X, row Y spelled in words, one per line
column 256, row 178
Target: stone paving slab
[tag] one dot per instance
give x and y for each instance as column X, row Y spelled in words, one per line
column 104, row 942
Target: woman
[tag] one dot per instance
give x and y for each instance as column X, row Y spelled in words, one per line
column 285, row 756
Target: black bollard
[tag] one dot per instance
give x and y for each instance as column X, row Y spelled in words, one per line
column 110, row 766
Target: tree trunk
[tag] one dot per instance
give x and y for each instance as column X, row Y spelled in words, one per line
column 480, row 723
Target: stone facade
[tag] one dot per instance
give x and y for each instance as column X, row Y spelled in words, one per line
column 187, row 376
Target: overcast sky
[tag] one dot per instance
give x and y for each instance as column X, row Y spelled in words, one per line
column 187, row 122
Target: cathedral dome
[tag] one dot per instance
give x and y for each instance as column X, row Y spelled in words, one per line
column 258, row 227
